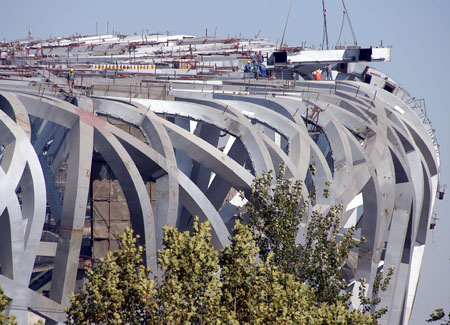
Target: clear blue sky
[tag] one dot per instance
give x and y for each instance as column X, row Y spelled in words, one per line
column 418, row 30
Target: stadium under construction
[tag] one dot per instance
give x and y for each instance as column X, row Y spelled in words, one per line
column 158, row 129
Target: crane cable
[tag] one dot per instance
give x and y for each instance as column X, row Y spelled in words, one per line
column 325, row 32
column 345, row 14
column 285, row 25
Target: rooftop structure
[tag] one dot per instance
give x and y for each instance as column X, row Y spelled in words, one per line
column 160, row 128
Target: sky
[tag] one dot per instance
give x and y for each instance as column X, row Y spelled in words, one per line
column 418, row 31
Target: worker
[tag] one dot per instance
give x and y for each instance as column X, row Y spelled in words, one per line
column 329, row 72
column 255, row 56
column 248, row 66
column 256, row 68
column 260, row 57
column 317, row 75
column 71, row 79
column 262, row 69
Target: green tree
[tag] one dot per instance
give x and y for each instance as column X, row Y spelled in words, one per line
column 275, row 213
column 3, row 304
column 339, row 313
column 191, row 290
column 324, row 254
column 249, row 284
column 274, row 218
column 118, row 290
column 260, row 293
column 194, row 290
column 370, row 305
column 238, row 275
column 439, row 315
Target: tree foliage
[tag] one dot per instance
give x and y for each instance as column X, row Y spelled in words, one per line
column 274, row 217
column 238, row 276
column 259, row 292
column 199, row 288
column 439, row 315
column 118, row 290
column 324, row 254
column 370, row 305
column 190, row 291
column 3, row 304
column 262, row 277
column 275, row 213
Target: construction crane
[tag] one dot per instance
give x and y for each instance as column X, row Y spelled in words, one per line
column 285, row 25
column 346, row 15
column 325, row 32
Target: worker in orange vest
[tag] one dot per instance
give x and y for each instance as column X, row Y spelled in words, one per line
column 317, row 75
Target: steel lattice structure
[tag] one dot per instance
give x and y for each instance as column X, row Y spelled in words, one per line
column 201, row 145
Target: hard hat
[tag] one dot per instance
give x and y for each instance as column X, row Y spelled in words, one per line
column 249, row 61
column 71, row 70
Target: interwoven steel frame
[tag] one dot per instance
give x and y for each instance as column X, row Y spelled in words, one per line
column 378, row 157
